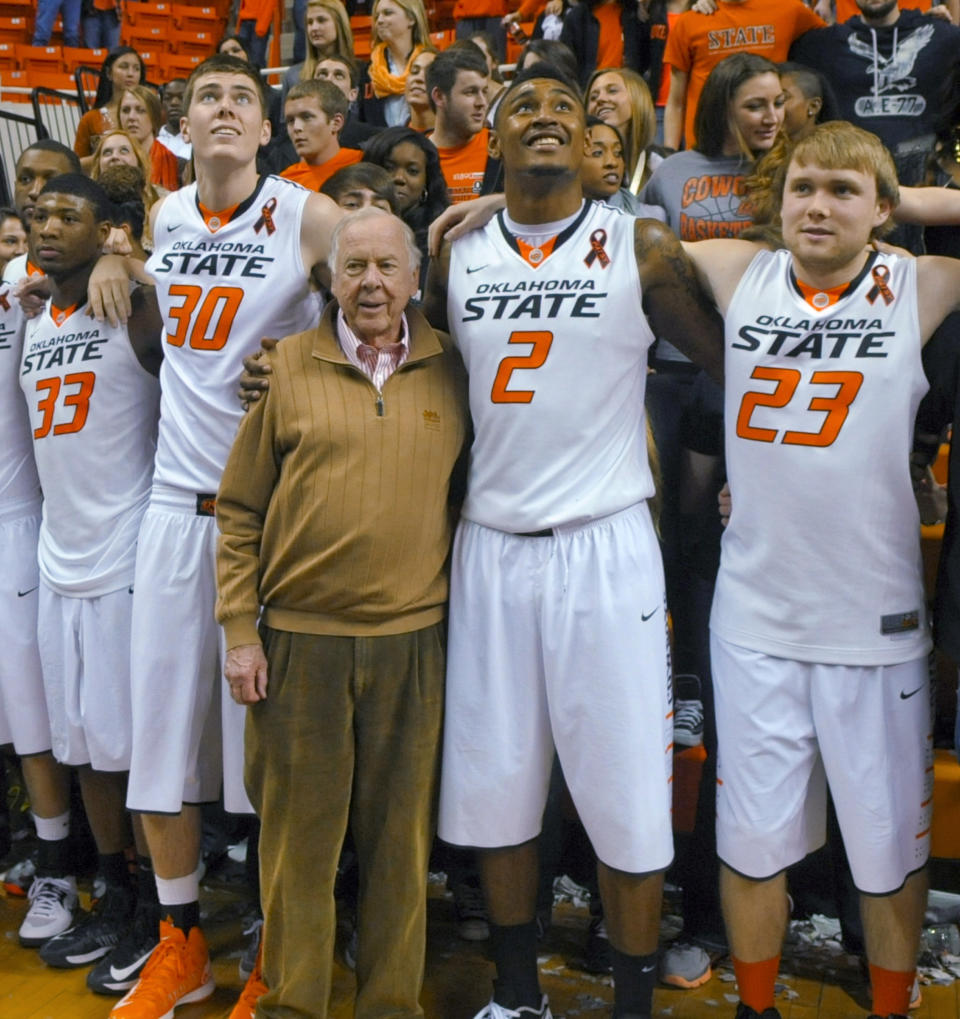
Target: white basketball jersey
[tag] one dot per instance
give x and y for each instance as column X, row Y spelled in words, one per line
column 93, row 411
column 821, row 560
column 220, row 292
column 556, row 355
column 19, row 485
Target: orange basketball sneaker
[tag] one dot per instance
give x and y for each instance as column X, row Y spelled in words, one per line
column 253, row 990
column 177, row 973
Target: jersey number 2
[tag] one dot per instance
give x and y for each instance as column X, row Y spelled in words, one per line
column 214, row 316
column 80, row 401
column 541, row 347
column 836, row 406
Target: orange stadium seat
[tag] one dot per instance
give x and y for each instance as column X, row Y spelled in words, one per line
column 144, row 15
column 443, row 39
column 196, row 19
column 17, row 8
column 8, row 58
column 74, row 56
column 151, row 36
column 152, row 59
column 194, row 43
column 41, row 59
column 59, row 80
column 15, row 30
column 177, row 65
column 14, row 79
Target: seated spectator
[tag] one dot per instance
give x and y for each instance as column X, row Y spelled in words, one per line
column 344, row 72
column 234, row 46
column 171, row 98
column 422, row 117
column 414, row 165
column 142, row 117
column 118, row 148
column 496, row 85
column 621, row 97
column 457, row 86
column 328, row 34
column 400, row 31
column 121, row 68
column 809, row 100
column 314, row 113
column 550, row 51
column 124, row 186
column 13, row 235
column 362, row 184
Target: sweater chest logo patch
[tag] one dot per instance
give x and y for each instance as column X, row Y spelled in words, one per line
column 431, row 420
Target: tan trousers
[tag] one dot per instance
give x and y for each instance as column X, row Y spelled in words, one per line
column 349, row 732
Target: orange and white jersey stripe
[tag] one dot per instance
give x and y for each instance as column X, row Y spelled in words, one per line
column 224, row 281
column 821, row 559
column 93, row 414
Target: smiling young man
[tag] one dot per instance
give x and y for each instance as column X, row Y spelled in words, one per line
column 819, row 638
column 232, row 262
column 457, row 87
column 557, row 628
column 314, row 113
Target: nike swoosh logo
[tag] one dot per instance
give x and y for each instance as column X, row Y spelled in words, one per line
column 907, row 696
column 170, row 229
column 649, row 615
column 128, row 971
column 129, row 590
column 647, row 969
column 476, row 268
column 23, row 594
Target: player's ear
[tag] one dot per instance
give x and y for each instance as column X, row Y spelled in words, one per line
column 493, row 144
column 884, row 211
column 265, row 131
column 185, row 128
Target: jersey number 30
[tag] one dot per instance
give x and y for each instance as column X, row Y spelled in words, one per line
column 210, row 328
column 835, row 406
column 535, row 359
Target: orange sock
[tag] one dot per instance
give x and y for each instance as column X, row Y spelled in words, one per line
column 891, row 990
column 756, row 982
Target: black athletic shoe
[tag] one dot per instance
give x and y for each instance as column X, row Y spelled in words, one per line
column 117, row 972
column 746, row 1012
column 597, row 957
column 95, row 934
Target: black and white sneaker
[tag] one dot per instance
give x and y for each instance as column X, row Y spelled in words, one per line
column 118, row 971
column 53, row 901
column 95, row 934
column 687, row 711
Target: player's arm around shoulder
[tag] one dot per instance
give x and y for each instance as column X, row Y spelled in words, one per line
column 435, row 292
column 938, row 291
column 676, row 304
column 145, row 329
column 320, row 215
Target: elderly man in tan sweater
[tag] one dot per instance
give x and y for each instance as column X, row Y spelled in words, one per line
column 333, row 518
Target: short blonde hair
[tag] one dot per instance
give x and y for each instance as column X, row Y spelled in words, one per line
column 839, row 145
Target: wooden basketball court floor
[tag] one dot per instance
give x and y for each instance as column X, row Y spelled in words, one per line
column 817, row 981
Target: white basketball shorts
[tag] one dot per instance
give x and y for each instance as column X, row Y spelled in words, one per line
column 85, row 653
column 787, row 728
column 187, row 731
column 560, row 641
column 23, row 705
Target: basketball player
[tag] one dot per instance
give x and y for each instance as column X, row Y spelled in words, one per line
column 93, row 401
column 557, row 628
column 819, row 637
column 233, row 259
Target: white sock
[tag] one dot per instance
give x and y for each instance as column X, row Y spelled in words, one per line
column 53, row 829
column 178, row 891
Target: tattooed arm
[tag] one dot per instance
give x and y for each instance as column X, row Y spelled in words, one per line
column 679, row 307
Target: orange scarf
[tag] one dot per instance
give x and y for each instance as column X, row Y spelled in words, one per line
column 385, row 82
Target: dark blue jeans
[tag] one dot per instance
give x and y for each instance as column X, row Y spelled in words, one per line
column 47, row 11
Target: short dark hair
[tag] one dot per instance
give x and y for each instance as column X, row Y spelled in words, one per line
column 813, row 85
column 348, row 62
column 550, row 51
column 712, row 119
column 51, row 145
column 124, row 187
column 84, row 187
column 442, row 73
column 541, row 69
column 332, row 101
column 361, row 175
column 225, row 64
column 9, row 212
column 593, row 122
